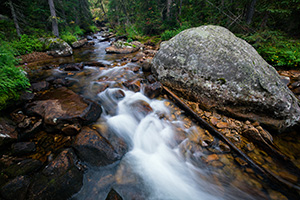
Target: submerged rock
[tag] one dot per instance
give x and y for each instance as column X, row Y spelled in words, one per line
column 211, row 65
column 93, row 148
column 15, row 189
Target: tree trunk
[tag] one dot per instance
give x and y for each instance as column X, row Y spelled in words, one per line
column 13, row 13
column 250, row 12
column 102, row 7
column 125, row 11
column 169, row 3
column 53, row 18
column 180, row 8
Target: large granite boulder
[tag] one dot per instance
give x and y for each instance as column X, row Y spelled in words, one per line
column 57, row 47
column 212, row 66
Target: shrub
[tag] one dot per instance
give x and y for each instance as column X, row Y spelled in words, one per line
column 168, row 34
column 68, row 37
column 276, row 48
column 12, row 80
column 27, row 44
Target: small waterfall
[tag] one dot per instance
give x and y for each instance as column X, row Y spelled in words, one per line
column 154, row 154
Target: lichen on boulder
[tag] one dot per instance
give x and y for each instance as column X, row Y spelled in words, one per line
column 211, row 65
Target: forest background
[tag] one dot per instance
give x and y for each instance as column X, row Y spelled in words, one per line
column 271, row 26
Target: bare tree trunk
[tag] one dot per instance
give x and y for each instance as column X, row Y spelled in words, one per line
column 102, row 7
column 250, row 12
column 180, row 7
column 13, row 13
column 169, row 3
column 53, row 18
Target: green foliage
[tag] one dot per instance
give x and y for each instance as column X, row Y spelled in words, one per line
column 27, row 44
column 12, row 79
column 168, row 34
column 68, row 37
column 276, row 48
column 92, row 29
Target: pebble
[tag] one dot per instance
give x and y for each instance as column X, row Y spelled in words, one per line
column 240, row 161
column 222, row 125
column 212, row 157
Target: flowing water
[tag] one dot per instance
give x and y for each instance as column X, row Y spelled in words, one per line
column 163, row 160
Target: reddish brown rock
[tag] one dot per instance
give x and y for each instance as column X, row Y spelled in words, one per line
column 62, row 106
column 113, row 195
column 93, row 148
column 153, row 90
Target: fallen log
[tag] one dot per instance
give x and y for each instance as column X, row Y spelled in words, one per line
column 281, row 184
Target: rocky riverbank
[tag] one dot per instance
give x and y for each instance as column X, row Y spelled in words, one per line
column 51, row 139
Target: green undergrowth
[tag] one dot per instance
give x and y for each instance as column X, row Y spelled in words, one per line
column 26, row 44
column 168, row 34
column 276, row 48
column 12, row 79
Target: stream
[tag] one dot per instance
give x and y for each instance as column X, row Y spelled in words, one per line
column 164, row 160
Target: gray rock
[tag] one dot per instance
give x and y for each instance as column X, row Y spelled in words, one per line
column 57, row 47
column 211, row 65
column 79, row 43
column 16, row 189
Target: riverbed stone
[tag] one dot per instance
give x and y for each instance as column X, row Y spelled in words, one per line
column 57, row 47
column 211, row 65
column 79, row 43
column 121, row 47
column 62, row 106
column 94, row 149
column 15, row 189
column 8, row 133
column 60, row 179
column 21, row 148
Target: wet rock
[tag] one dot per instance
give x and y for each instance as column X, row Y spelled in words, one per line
column 72, row 129
column 15, row 189
column 214, row 121
column 79, row 43
column 153, row 90
column 120, row 47
column 18, row 116
column 113, row 195
column 24, row 167
column 73, row 67
column 40, row 86
column 151, row 79
column 146, row 65
column 297, row 90
column 240, row 161
column 94, row 149
column 62, row 106
column 110, row 98
column 60, row 179
column 29, row 127
column 285, row 80
column 212, row 157
column 21, row 148
column 223, row 147
column 222, row 125
column 57, row 47
column 295, row 84
column 140, row 109
column 150, row 53
column 26, row 96
column 133, row 85
column 89, row 37
column 8, row 133
column 199, row 63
